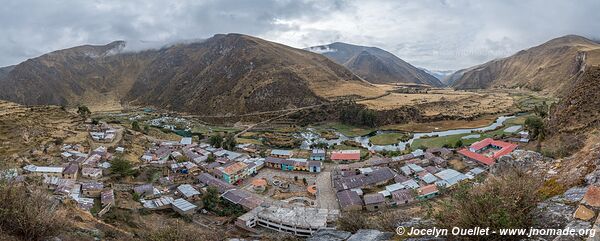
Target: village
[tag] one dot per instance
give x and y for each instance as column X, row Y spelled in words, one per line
column 294, row 191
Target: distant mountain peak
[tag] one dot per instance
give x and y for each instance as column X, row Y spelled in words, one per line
column 374, row 64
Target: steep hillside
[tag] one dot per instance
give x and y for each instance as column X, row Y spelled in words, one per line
column 578, row 110
column 236, row 74
column 226, row 74
column 375, row 65
column 549, row 67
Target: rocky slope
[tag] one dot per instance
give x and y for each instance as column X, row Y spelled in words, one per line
column 226, row 74
column 550, row 67
column 578, row 110
column 375, row 65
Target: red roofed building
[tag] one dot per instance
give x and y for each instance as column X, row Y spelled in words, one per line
column 487, row 150
column 345, row 155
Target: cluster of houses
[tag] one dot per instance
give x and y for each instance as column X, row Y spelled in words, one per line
column 102, row 133
column 189, row 169
column 77, row 178
column 388, row 182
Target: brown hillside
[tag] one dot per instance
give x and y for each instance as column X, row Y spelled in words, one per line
column 549, row 67
column 225, row 74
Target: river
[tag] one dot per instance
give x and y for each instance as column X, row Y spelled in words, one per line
column 310, row 136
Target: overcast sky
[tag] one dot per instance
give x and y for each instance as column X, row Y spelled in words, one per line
column 436, row 34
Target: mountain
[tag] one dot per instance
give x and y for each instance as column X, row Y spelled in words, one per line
column 374, row 64
column 441, row 75
column 225, row 74
column 550, row 67
column 5, row 70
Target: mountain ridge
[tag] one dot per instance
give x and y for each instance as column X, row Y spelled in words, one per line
column 374, row 64
column 548, row 67
column 225, row 74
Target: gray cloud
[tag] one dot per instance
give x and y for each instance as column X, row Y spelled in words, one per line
column 435, row 34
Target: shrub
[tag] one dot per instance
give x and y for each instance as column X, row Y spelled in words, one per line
column 504, row 201
column 180, row 231
column 29, row 214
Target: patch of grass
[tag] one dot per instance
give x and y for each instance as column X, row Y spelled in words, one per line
column 389, row 138
column 441, row 141
column 347, row 130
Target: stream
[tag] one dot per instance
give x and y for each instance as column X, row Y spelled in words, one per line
column 311, row 136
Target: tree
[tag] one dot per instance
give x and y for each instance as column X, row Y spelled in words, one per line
column 210, row 158
column 211, row 199
column 535, row 125
column 135, row 126
column 83, row 111
column 229, row 142
column 216, row 140
column 304, row 181
column 28, row 213
column 122, row 167
column 459, row 143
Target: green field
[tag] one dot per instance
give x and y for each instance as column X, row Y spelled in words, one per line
column 347, row 130
column 389, row 138
column 452, row 139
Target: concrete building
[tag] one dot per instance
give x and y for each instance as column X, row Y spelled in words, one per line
column 299, row 221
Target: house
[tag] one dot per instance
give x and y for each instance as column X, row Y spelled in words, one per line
column 349, row 200
column 144, row 190
column 47, row 171
column 427, row 177
column 314, row 166
column 92, row 189
column 281, row 153
column 487, row 151
column 107, row 197
column 449, row 177
column 234, row 172
column 299, row 164
column 374, row 201
column 70, row 172
column 273, row 162
column 345, row 155
column 211, row 181
column 427, row 192
column 93, row 173
column 415, row 168
column 378, row 177
column 317, row 155
column 120, row 149
column 412, row 184
column 188, row 192
column 186, row 141
column 243, row 198
column 183, row 207
column 403, row 196
column 441, row 151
